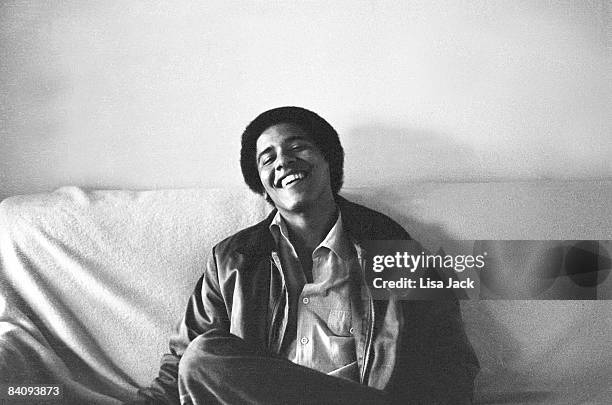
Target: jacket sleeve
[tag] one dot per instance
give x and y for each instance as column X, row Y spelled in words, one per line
column 205, row 311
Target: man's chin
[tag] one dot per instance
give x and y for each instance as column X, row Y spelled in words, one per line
column 293, row 205
column 296, row 207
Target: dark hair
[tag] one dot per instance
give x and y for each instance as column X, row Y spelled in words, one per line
column 320, row 131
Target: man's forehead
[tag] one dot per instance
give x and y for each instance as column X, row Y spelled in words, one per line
column 281, row 133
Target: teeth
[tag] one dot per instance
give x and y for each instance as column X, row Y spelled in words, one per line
column 291, row 178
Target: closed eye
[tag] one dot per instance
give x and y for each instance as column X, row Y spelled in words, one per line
column 298, row 147
column 265, row 159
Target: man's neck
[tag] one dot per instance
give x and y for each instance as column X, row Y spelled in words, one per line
column 307, row 228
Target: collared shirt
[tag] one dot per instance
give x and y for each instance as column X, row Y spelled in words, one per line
column 320, row 332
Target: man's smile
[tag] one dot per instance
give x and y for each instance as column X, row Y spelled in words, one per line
column 290, row 178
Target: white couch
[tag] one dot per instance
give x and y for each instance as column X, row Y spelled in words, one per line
column 93, row 282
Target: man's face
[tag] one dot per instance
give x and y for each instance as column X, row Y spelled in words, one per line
column 292, row 169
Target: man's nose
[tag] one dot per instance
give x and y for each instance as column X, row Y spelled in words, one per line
column 284, row 159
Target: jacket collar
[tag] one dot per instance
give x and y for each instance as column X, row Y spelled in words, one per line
column 260, row 241
column 353, row 225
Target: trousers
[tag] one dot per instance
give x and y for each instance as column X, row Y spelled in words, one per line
column 221, row 368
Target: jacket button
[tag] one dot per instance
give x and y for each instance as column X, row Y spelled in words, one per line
column 352, row 330
column 304, row 340
column 305, row 300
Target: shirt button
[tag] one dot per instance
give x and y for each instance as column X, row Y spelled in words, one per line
column 304, row 340
column 305, row 300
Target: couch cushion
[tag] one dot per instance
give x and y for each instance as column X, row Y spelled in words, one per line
column 103, row 276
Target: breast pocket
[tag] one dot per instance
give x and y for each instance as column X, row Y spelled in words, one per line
column 339, row 322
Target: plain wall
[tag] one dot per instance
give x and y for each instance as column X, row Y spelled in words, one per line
column 150, row 94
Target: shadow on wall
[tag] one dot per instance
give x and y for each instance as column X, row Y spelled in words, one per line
column 383, row 154
column 403, row 209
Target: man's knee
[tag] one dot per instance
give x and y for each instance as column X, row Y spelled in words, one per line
column 194, row 373
column 193, row 358
column 208, row 352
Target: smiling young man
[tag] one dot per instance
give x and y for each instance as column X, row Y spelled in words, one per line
column 282, row 314
column 295, row 176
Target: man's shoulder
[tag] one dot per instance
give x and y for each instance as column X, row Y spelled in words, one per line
column 365, row 223
column 251, row 240
column 361, row 222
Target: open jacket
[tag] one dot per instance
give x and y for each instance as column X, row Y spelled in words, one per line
column 416, row 351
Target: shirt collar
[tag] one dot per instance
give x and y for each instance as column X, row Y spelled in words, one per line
column 336, row 239
column 278, row 228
